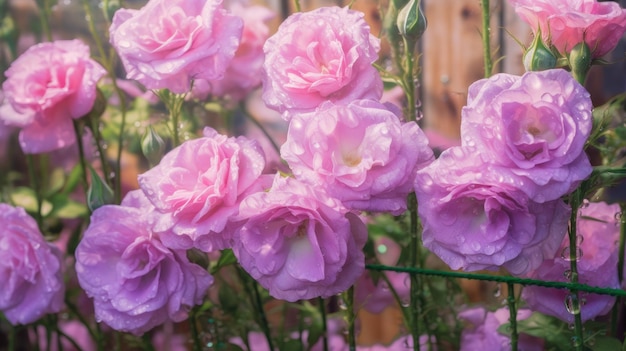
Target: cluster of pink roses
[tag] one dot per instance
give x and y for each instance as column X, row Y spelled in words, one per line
column 495, row 201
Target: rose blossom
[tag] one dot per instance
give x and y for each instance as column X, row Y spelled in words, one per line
column 47, row 87
column 536, row 125
column 475, row 217
column 324, row 54
column 597, row 266
column 361, row 153
column 167, row 43
column 197, row 188
column 245, row 70
column 483, row 334
column 30, row 269
column 565, row 23
column 136, row 282
column 298, row 242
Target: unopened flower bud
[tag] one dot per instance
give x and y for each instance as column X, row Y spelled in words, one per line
column 580, row 61
column 152, row 146
column 99, row 193
column 411, row 21
column 539, row 57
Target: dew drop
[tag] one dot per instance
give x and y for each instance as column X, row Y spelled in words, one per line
column 566, row 255
column 579, row 239
column 497, row 292
column 567, row 274
column 382, row 248
column 572, row 304
column 576, row 341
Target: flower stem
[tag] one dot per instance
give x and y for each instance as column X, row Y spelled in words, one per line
column 36, row 184
column 195, row 335
column 513, row 315
column 12, row 337
column 573, row 258
column 416, row 286
column 106, row 61
column 322, row 307
column 620, row 270
column 351, row 317
column 264, row 323
column 81, row 156
column 486, row 38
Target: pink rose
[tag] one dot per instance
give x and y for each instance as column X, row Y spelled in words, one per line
column 298, row 242
column 324, row 54
column 168, row 43
column 136, row 282
column 197, row 187
column 245, row 70
column 475, row 216
column 565, row 23
column 536, row 125
column 46, row 88
column 30, row 269
column 360, row 152
column 482, row 332
column 597, row 266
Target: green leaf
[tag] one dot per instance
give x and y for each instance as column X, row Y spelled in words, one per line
column 26, row 198
column 65, row 208
column 226, row 259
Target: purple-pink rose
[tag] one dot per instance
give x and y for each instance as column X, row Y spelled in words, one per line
column 197, row 188
column 298, row 242
column 475, row 217
column 565, row 23
column 168, row 43
column 360, row 152
column 135, row 281
column 246, row 68
column 47, row 87
column 536, row 125
column 482, row 332
column 324, row 54
column 30, row 269
column 598, row 233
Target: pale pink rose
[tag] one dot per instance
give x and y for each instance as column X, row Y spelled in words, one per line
column 360, row 152
column 135, row 281
column 476, row 217
column 597, row 266
column 324, row 54
column 482, row 331
column 47, row 87
column 536, row 125
column 298, row 242
column 30, row 269
column 565, row 23
column 168, row 43
column 245, row 70
column 197, row 188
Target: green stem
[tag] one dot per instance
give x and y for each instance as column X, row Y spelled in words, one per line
column 416, row 285
column 409, row 79
column 101, row 152
column 351, row 317
column 264, row 323
column 261, row 127
column 109, row 67
column 44, row 17
column 36, row 184
column 195, row 335
column 620, row 268
column 70, row 305
column 296, row 3
column 486, row 38
column 81, row 156
column 147, row 343
column 69, row 339
column 322, row 307
column 513, row 315
column 573, row 258
column 12, row 337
